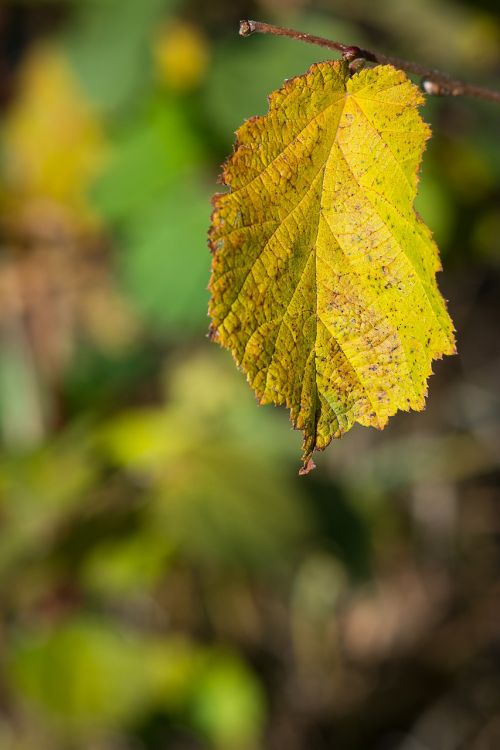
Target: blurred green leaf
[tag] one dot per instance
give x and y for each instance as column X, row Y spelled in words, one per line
column 84, row 673
column 215, row 496
column 36, row 494
column 88, row 674
column 130, row 565
column 228, row 705
column 160, row 210
column 110, row 47
column 166, row 261
column 149, row 155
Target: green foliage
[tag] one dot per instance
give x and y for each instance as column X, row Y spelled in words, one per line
column 86, row 674
column 114, row 72
column 160, row 216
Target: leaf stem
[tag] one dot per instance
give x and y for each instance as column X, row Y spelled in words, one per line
column 433, row 81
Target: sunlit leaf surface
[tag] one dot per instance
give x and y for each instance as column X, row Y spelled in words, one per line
column 323, row 280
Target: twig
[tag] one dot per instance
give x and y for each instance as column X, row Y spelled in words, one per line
column 433, row 81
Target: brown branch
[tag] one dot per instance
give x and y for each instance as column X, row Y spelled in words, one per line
column 433, row 81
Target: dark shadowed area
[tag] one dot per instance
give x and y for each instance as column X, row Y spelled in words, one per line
column 167, row 581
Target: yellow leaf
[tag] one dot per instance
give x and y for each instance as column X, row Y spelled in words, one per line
column 53, row 141
column 323, row 277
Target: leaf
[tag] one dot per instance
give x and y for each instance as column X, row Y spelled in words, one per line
column 323, row 277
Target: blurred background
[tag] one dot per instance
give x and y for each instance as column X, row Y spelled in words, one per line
column 167, row 582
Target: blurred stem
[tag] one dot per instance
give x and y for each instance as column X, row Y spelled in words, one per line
column 433, row 81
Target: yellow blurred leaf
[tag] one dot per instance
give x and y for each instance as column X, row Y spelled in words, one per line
column 53, row 141
column 182, row 55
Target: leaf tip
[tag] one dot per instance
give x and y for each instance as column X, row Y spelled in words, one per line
column 307, row 467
